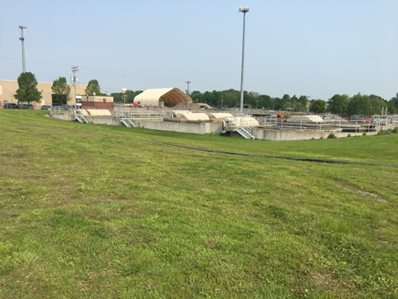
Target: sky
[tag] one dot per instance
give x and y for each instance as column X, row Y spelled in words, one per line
column 316, row 48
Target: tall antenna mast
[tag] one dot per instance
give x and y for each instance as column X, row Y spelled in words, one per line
column 22, row 39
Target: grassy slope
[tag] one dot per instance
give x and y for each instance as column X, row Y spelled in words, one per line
column 99, row 212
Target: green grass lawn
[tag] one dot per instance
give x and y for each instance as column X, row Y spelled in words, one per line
column 89, row 211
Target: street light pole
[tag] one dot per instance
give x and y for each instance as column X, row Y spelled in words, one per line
column 244, row 10
column 22, row 39
column 75, row 69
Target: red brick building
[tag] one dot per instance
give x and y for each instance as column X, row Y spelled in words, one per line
column 97, row 102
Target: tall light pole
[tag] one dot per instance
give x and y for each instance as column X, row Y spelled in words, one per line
column 188, row 82
column 244, row 10
column 124, row 91
column 22, row 39
column 75, row 69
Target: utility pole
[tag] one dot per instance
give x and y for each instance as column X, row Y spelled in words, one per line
column 75, row 69
column 244, row 10
column 22, row 39
column 188, row 82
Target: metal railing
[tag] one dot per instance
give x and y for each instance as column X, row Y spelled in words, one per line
column 301, row 125
column 138, row 114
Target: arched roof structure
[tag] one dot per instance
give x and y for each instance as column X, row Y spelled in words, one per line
column 169, row 96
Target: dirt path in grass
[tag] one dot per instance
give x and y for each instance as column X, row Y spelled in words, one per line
column 363, row 193
column 300, row 159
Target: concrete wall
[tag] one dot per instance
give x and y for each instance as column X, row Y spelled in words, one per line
column 63, row 116
column 184, row 127
column 103, row 120
column 100, row 120
column 279, row 135
column 288, row 134
column 215, row 128
column 346, row 134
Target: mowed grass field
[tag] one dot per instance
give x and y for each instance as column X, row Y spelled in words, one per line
column 89, row 211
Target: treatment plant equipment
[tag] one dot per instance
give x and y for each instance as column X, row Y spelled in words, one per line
column 260, row 125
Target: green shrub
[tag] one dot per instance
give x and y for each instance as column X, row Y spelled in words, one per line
column 385, row 132
column 331, row 136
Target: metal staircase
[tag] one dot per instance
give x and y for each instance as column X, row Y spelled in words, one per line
column 125, row 123
column 80, row 117
column 128, row 122
column 245, row 133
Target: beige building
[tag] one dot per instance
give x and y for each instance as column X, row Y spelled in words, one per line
column 9, row 87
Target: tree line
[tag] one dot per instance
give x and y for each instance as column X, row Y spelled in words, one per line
column 339, row 104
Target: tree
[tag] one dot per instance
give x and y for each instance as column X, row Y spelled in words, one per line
column 60, row 86
column 376, row 104
column 196, row 96
column 278, row 103
column 365, row 105
column 229, row 98
column 318, row 106
column 61, row 91
column 393, row 105
column 27, row 91
column 286, row 103
column 127, row 97
column 93, row 88
column 338, row 104
column 250, row 98
column 302, row 103
column 212, row 98
column 266, row 102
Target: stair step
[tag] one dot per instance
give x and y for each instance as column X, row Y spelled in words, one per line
column 245, row 133
column 129, row 123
